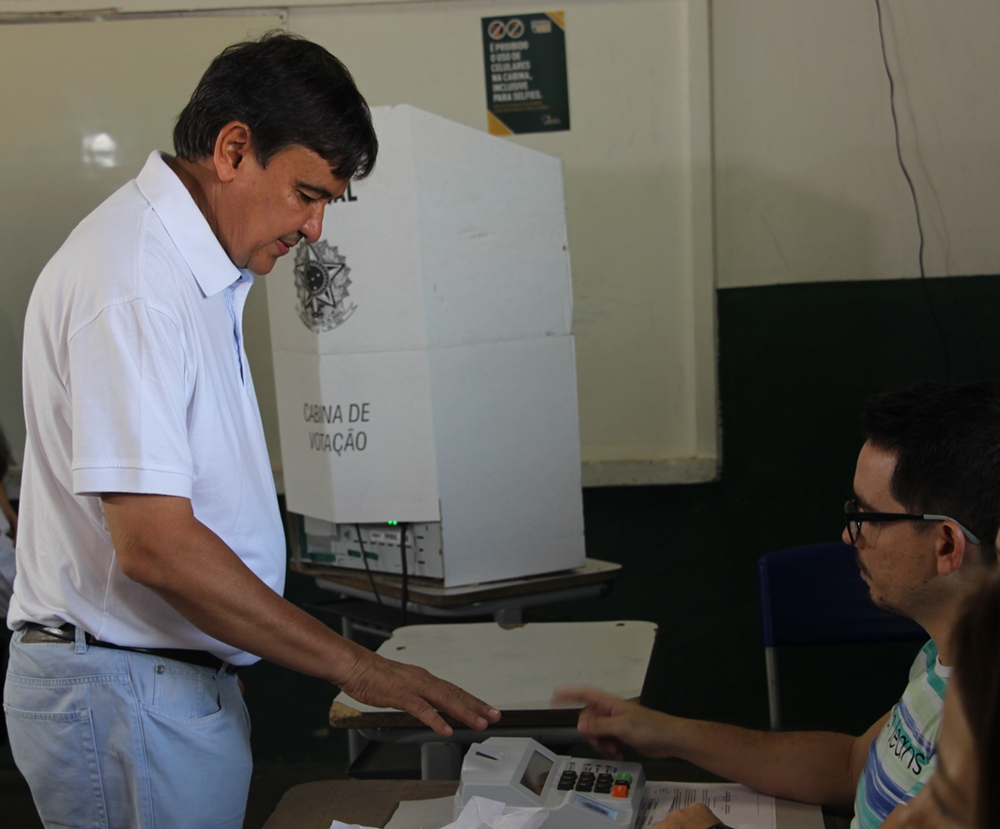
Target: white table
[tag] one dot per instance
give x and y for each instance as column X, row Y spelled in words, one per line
column 504, row 600
column 513, row 667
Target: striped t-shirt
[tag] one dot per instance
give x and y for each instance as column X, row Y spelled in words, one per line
column 902, row 757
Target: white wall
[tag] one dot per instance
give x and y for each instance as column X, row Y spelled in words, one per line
column 638, row 186
column 808, row 187
column 59, row 84
column 806, row 183
column 638, row 200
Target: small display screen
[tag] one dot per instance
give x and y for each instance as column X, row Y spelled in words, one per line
column 536, row 773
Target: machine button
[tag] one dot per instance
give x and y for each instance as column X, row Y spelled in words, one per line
column 604, row 783
column 567, row 781
column 619, row 790
column 624, row 777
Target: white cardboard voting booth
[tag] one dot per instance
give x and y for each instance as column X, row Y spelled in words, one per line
column 424, row 360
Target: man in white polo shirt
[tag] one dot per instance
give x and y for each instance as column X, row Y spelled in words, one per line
column 150, row 549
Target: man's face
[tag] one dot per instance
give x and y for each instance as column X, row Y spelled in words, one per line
column 267, row 210
column 897, row 560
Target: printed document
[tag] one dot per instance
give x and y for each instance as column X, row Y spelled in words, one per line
column 736, row 806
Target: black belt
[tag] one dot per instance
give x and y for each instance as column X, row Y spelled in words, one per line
column 67, row 633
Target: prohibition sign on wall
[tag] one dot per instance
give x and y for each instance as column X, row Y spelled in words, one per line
column 525, row 63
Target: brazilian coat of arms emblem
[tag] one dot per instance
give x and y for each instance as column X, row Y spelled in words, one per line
column 321, row 281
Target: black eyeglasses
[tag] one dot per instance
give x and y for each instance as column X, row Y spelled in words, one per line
column 854, row 518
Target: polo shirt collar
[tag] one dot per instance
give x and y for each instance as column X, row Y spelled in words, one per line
column 187, row 226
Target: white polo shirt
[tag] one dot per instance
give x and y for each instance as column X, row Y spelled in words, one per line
column 136, row 380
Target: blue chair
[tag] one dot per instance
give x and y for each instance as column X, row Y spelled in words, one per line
column 815, row 595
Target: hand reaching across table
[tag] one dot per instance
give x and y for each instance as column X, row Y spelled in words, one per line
column 384, row 683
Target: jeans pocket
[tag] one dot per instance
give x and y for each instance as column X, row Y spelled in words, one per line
column 57, row 754
column 185, row 693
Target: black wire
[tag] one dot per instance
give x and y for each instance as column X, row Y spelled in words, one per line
column 402, row 554
column 913, row 194
column 364, row 558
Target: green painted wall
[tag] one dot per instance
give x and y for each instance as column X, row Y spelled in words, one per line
column 795, row 363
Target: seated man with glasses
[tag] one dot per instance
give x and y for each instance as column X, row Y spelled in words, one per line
column 924, row 523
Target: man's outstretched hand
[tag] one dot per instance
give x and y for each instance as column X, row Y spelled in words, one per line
column 695, row 816
column 608, row 723
column 160, row 544
column 375, row 680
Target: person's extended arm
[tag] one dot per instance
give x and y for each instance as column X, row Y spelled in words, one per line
column 810, row 766
column 160, row 544
column 695, row 816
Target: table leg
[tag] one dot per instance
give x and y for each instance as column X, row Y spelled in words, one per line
column 441, row 761
column 508, row 615
column 355, row 744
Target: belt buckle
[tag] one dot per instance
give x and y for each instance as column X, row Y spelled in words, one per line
column 38, row 634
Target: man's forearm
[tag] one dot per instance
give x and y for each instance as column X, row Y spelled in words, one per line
column 815, row 767
column 810, row 766
column 198, row 575
column 161, row 545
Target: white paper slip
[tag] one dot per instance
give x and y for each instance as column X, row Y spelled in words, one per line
column 423, row 814
column 736, row 806
column 479, row 813
column 483, row 813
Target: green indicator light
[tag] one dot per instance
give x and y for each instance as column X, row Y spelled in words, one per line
column 392, row 523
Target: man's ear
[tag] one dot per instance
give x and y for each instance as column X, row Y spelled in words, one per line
column 952, row 548
column 232, row 145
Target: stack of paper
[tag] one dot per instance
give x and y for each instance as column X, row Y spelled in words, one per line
column 734, row 805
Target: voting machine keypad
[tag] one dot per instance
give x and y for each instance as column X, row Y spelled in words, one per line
column 596, row 778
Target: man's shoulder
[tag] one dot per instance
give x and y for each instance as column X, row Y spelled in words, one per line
column 119, row 253
column 118, row 228
column 922, row 701
column 927, row 668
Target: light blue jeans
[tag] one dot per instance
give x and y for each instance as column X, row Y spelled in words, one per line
column 109, row 738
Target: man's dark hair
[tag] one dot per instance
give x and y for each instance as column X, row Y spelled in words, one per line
column 946, row 439
column 290, row 92
column 976, row 639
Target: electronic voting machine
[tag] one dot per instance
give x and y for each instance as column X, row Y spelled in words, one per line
column 579, row 793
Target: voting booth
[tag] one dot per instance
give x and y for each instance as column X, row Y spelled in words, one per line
column 424, row 363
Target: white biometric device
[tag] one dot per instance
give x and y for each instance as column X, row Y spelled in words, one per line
column 579, row 793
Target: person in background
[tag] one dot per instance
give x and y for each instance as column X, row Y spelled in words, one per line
column 8, row 535
column 923, row 521
column 8, row 531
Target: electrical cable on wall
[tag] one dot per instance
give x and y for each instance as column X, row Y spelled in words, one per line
column 913, row 194
column 368, row 569
column 402, row 554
